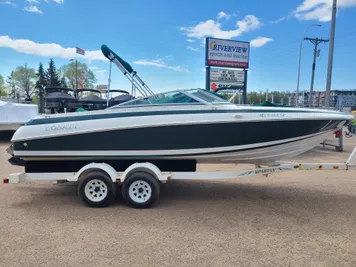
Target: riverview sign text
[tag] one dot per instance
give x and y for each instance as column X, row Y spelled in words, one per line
column 227, row 53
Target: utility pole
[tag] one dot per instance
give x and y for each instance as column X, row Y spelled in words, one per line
column 267, row 94
column 316, row 42
column 300, row 58
column 260, row 96
column 331, row 54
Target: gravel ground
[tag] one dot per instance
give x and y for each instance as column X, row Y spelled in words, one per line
column 287, row 219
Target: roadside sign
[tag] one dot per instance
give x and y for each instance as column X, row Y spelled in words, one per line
column 234, row 85
column 102, row 86
column 226, row 75
column 227, row 53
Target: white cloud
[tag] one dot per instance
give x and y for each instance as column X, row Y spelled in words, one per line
column 319, row 9
column 169, row 57
column 278, row 20
column 159, row 64
column 8, row 3
column 93, row 67
column 260, row 41
column 32, row 1
column 47, row 50
column 55, row 1
column 213, row 28
column 192, row 48
column 33, row 9
column 190, row 41
column 222, row 15
column 100, row 71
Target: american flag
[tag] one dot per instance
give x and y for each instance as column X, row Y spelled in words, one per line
column 80, row 51
column 84, row 73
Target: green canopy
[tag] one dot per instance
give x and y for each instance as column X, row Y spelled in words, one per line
column 106, row 51
column 80, row 109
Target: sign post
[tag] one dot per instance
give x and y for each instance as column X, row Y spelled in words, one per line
column 231, row 54
column 244, row 93
column 207, row 77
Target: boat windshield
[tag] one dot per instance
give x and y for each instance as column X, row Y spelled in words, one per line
column 180, row 97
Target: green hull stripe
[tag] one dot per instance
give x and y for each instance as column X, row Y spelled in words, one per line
column 172, row 155
column 84, row 117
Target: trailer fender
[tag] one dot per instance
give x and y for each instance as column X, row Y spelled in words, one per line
column 109, row 170
column 145, row 167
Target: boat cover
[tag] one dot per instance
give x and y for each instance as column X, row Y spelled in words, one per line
column 59, row 96
column 120, row 99
column 107, row 51
column 15, row 113
column 92, row 99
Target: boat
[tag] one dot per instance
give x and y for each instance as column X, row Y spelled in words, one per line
column 173, row 130
column 13, row 115
column 91, row 101
column 123, row 97
column 58, row 100
column 181, row 127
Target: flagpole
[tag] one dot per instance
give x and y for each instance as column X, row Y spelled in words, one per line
column 108, row 89
column 76, row 73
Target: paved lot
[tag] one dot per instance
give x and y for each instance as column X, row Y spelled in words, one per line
column 288, row 219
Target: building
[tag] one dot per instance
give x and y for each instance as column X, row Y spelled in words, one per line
column 338, row 99
column 341, row 99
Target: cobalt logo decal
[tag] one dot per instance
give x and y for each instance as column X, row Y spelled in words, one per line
column 69, row 126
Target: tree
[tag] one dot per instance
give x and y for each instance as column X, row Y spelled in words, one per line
column 23, row 78
column 52, row 75
column 42, row 79
column 41, row 85
column 12, row 84
column 68, row 72
column 64, row 83
column 2, row 88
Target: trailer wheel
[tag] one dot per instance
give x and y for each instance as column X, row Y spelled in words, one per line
column 140, row 190
column 96, row 189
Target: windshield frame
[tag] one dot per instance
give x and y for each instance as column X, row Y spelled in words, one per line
column 186, row 92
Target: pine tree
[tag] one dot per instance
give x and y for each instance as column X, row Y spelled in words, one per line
column 63, row 83
column 42, row 81
column 52, row 75
column 41, row 84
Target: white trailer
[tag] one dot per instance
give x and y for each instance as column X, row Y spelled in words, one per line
column 141, row 181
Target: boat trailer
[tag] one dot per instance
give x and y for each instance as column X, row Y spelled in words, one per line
column 140, row 182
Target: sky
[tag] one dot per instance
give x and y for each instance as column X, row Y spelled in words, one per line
column 163, row 40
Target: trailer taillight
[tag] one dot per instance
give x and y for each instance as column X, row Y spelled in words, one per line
column 5, row 181
column 338, row 133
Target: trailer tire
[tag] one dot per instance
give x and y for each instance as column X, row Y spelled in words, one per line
column 140, row 190
column 96, row 189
